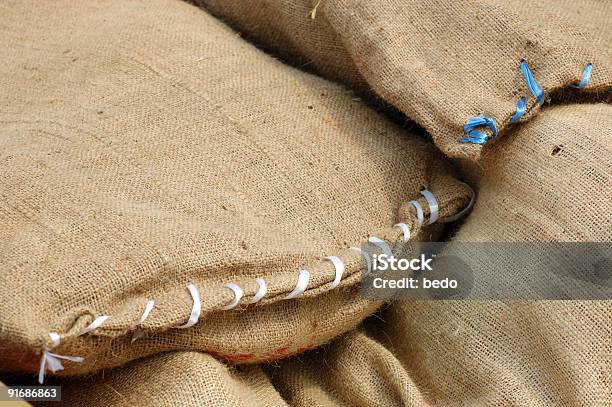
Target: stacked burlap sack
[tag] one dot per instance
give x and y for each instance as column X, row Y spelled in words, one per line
column 429, row 353
column 165, row 185
column 440, row 62
column 148, row 147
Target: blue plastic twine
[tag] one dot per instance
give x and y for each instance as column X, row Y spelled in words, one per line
column 475, row 136
column 533, row 86
column 521, row 105
column 586, row 77
column 477, row 121
column 480, row 137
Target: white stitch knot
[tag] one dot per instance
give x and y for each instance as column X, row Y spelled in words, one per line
column 195, row 310
column 300, row 286
column 52, row 361
column 339, row 268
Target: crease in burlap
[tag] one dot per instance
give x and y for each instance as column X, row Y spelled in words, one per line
column 440, row 62
column 145, row 148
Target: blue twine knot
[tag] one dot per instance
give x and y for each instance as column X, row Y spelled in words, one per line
column 476, row 136
column 533, row 86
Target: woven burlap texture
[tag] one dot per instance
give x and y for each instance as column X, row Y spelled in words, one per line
column 147, row 147
column 177, row 378
column 439, row 62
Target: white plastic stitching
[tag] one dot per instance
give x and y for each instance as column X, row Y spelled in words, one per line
column 433, row 205
column 138, row 333
column 465, row 210
column 195, row 310
column 147, row 311
column 419, row 212
column 55, row 339
column 365, row 257
column 384, row 246
column 301, row 285
column 54, row 364
column 95, row 324
column 262, row 290
column 238, row 293
column 405, row 230
column 339, row 267
column 53, row 361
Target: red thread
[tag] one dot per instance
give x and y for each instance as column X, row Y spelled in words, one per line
column 239, row 357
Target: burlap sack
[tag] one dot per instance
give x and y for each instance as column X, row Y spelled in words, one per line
column 147, row 148
column 354, row 370
column 547, row 181
column 171, row 379
column 439, row 62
